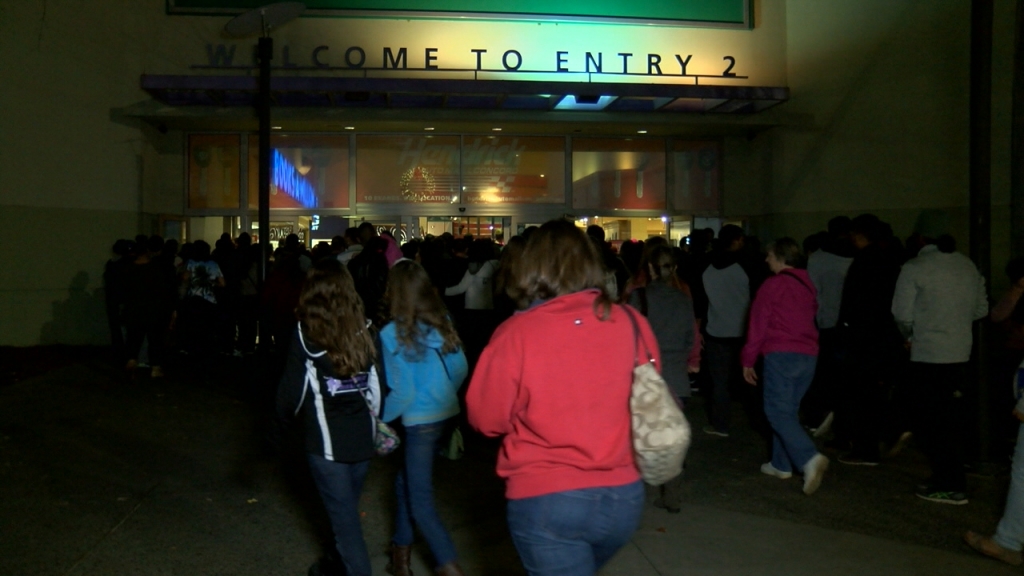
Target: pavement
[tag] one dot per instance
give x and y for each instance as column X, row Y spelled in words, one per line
column 103, row 475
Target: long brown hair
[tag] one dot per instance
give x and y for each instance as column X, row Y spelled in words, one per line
column 332, row 317
column 559, row 259
column 412, row 300
column 513, row 251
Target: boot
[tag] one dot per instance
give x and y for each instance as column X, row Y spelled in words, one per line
column 449, row 569
column 399, row 563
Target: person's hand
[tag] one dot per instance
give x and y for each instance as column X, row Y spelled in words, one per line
column 1018, row 415
column 750, row 375
column 691, row 369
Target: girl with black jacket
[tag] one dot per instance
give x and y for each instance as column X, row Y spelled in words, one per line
column 331, row 385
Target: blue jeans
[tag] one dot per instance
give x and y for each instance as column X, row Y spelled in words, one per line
column 787, row 376
column 414, row 488
column 340, row 484
column 574, row 533
column 1010, row 533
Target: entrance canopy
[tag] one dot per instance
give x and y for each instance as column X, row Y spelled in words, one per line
column 464, row 95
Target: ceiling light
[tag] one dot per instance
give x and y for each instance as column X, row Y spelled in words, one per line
column 429, row 128
column 350, row 127
column 585, row 102
column 276, row 127
column 641, row 131
column 496, row 129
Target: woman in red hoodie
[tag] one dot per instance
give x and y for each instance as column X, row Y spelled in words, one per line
column 555, row 382
column 782, row 330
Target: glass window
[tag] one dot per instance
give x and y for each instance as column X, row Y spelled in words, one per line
column 306, row 171
column 214, row 169
column 421, row 169
column 698, row 168
column 513, row 170
column 618, row 173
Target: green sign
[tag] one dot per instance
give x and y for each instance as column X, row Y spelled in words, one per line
column 721, row 13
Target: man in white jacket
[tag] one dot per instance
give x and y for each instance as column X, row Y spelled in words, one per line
column 939, row 295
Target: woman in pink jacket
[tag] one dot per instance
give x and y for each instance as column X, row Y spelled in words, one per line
column 782, row 330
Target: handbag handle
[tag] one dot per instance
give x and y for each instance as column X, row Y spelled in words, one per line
column 637, row 338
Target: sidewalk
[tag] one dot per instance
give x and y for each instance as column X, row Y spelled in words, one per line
column 100, row 476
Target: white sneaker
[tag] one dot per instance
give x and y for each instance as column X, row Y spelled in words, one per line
column 814, row 471
column 826, row 425
column 770, row 470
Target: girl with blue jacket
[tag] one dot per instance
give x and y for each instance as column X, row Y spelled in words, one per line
column 424, row 365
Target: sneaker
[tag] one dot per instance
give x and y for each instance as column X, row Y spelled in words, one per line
column 900, row 445
column 770, row 470
column 712, row 431
column 825, row 426
column 853, row 460
column 942, row 497
column 814, row 471
column 988, row 547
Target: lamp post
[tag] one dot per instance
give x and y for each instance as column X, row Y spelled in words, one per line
column 261, row 21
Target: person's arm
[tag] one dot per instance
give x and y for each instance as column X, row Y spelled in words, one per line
column 494, row 388
column 403, row 388
column 290, row 390
column 757, row 332
column 981, row 305
column 903, row 302
column 219, row 276
column 458, row 367
column 461, row 287
column 693, row 362
column 1008, row 303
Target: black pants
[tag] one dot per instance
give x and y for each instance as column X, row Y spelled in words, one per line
column 247, row 315
column 723, row 362
column 154, row 330
column 821, row 397
column 939, row 421
column 869, row 367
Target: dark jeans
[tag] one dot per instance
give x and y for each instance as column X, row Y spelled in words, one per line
column 821, row 397
column 939, row 421
column 723, row 361
column 864, row 397
column 414, row 488
column 247, row 315
column 154, row 330
column 671, row 493
column 574, row 533
column 340, row 484
column 787, row 376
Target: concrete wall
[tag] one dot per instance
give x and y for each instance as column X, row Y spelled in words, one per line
column 879, row 121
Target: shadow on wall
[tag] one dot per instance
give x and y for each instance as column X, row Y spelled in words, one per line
column 79, row 320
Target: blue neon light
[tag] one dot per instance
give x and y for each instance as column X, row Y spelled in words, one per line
column 288, row 180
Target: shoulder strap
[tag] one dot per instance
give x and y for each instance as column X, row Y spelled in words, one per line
column 637, row 339
column 306, row 348
column 309, row 380
column 443, row 363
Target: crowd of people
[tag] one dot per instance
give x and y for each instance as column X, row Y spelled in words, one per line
column 851, row 336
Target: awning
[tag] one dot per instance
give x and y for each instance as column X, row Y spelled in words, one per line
column 441, row 94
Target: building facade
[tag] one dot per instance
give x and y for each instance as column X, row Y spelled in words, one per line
column 137, row 117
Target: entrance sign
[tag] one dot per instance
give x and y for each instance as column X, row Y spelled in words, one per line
column 709, row 13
